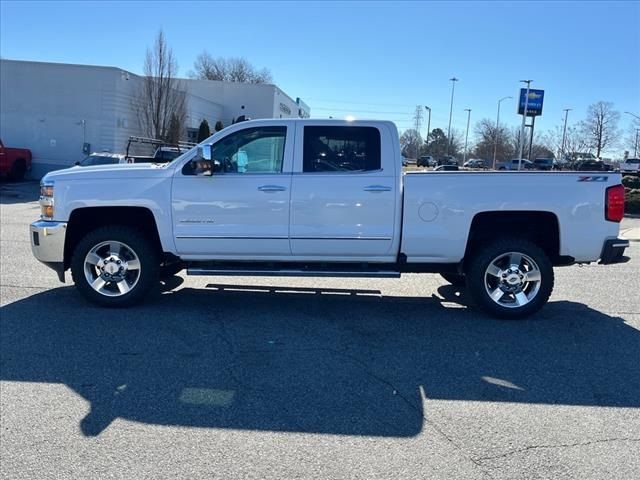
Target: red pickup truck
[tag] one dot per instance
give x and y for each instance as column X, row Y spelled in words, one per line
column 14, row 162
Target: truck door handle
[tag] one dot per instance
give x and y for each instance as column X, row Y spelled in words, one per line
column 377, row 188
column 271, row 188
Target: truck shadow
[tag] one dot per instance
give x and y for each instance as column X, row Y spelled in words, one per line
column 348, row 362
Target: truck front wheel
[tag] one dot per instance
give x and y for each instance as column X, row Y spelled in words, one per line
column 115, row 266
column 510, row 278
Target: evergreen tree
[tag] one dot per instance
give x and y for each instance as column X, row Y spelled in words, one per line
column 175, row 130
column 203, row 131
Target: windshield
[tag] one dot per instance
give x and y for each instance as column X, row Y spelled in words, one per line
column 99, row 160
column 633, row 160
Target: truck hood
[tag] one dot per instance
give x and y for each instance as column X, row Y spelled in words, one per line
column 115, row 171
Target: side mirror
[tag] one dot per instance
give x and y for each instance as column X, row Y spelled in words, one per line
column 204, row 151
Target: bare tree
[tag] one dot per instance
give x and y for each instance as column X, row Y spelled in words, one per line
column 632, row 139
column 233, row 69
column 575, row 142
column 601, row 126
column 160, row 104
column 539, row 148
column 490, row 138
column 410, row 142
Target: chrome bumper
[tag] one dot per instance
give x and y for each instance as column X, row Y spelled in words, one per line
column 47, row 244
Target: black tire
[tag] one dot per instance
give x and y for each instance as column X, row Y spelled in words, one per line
column 455, row 279
column 477, row 285
column 144, row 249
column 18, row 170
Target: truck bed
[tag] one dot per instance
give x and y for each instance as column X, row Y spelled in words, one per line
column 439, row 208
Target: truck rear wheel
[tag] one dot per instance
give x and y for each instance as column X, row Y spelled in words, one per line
column 510, row 278
column 115, row 266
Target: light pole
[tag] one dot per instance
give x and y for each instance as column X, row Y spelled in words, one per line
column 633, row 115
column 495, row 146
column 524, row 118
column 453, row 88
column 428, row 109
column 466, row 136
column 564, row 132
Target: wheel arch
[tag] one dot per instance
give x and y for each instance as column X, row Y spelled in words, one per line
column 86, row 219
column 540, row 227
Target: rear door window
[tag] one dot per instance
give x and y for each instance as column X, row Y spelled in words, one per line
column 341, row 149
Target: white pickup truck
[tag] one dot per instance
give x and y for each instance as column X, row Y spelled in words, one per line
column 323, row 198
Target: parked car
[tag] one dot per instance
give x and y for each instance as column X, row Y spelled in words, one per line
column 631, row 166
column 405, row 162
column 426, row 161
column 119, row 228
column 14, row 162
column 545, row 164
column 475, row 163
column 447, row 160
column 593, row 166
column 102, row 158
column 514, row 164
column 446, row 168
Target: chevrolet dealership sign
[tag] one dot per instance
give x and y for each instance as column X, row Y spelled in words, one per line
column 534, row 105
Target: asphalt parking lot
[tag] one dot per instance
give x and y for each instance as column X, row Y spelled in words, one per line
column 314, row 378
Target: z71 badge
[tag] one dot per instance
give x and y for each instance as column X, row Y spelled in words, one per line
column 593, row 178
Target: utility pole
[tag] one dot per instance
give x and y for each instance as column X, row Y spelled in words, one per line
column 418, row 124
column 466, row 136
column 428, row 109
column 564, row 132
column 524, row 119
column 495, row 146
column 453, row 81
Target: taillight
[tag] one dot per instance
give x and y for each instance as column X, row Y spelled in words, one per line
column 614, row 203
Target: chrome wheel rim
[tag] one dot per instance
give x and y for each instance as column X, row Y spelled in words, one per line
column 512, row 280
column 112, row 268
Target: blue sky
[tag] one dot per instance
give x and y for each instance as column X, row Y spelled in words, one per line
column 368, row 59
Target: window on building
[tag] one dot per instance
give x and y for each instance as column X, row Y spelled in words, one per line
column 341, row 149
column 192, row 135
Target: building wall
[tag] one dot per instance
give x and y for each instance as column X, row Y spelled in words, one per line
column 252, row 100
column 53, row 109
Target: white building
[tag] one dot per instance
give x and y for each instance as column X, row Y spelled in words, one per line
column 56, row 109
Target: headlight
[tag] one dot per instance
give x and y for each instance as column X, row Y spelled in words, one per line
column 46, row 200
column 46, row 189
